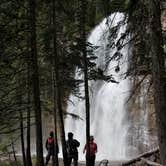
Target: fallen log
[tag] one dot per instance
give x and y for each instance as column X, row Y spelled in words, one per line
column 150, row 163
column 144, row 155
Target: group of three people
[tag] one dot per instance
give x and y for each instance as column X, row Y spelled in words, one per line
column 72, row 145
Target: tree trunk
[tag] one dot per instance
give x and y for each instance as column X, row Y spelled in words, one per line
column 55, row 123
column 36, row 89
column 14, row 152
column 138, row 158
column 28, row 150
column 54, row 94
column 55, row 159
column 159, row 75
column 22, row 138
column 150, row 163
column 84, row 52
column 19, row 98
column 58, row 90
column 19, row 95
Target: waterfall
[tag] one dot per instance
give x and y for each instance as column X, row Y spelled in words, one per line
column 108, row 110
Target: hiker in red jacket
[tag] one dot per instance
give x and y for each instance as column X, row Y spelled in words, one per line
column 93, row 151
column 50, row 147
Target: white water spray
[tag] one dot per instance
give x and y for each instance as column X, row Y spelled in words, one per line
column 107, row 100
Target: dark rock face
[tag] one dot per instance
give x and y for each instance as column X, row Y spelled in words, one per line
column 142, row 133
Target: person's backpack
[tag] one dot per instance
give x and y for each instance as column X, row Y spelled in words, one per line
column 50, row 143
column 72, row 146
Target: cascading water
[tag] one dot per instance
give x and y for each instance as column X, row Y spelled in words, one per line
column 107, row 100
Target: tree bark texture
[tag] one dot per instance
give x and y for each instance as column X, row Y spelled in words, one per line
column 144, row 155
column 55, row 124
column 28, row 150
column 14, row 152
column 22, row 138
column 58, row 90
column 36, row 89
column 19, row 95
column 84, row 52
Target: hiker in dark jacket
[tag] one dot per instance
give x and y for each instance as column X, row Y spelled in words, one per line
column 50, row 146
column 72, row 145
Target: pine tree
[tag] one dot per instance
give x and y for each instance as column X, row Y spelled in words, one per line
column 83, row 45
column 58, row 89
column 35, row 80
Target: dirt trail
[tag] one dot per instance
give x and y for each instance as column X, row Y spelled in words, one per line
column 82, row 163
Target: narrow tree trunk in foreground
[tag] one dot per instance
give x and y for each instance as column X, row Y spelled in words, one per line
column 159, row 74
column 28, row 150
column 22, row 138
column 84, row 52
column 14, row 152
column 54, row 94
column 54, row 88
column 58, row 90
column 19, row 95
column 55, row 123
column 36, row 89
column 19, row 98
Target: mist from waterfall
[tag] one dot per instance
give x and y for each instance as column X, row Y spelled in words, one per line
column 108, row 110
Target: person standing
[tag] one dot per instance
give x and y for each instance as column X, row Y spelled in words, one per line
column 50, row 146
column 92, row 150
column 72, row 145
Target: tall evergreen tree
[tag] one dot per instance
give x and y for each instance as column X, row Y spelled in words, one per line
column 58, row 89
column 35, row 80
column 28, row 139
column 55, row 159
column 83, row 45
column 21, row 124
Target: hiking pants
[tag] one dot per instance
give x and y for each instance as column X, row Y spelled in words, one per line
column 50, row 153
column 92, row 160
column 75, row 158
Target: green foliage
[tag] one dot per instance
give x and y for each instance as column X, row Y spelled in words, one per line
column 126, row 6
column 10, row 163
column 118, row 5
column 3, row 147
column 13, row 68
